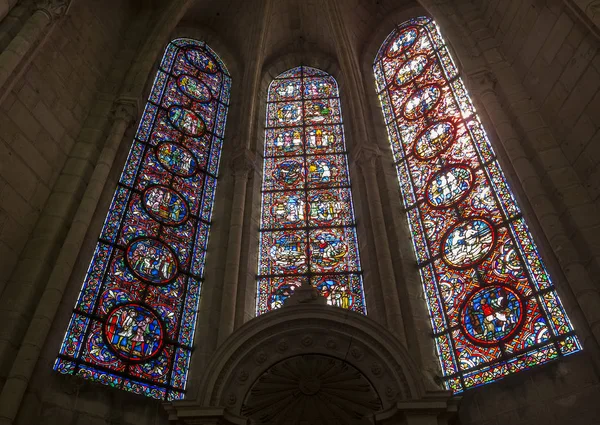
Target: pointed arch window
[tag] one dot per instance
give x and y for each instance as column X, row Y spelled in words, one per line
column 308, row 233
column 493, row 308
column 133, row 325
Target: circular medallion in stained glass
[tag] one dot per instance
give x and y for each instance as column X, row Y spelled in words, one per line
column 328, row 250
column 318, row 88
column 492, row 314
column 290, row 114
column 99, row 351
column 287, row 251
column 422, row 102
column 186, row 121
column 411, row 70
column 288, row 210
column 165, row 205
column 335, row 289
column 176, row 159
column 288, row 142
column 288, row 89
column 402, row 42
column 194, row 88
column 321, row 171
column 277, row 298
column 134, row 332
column 468, row 242
column 325, row 208
column 449, row 186
column 434, row 140
column 202, row 61
column 317, row 111
column 320, row 140
column 151, row 260
column 288, row 173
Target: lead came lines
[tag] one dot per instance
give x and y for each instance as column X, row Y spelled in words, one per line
column 307, row 226
column 479, row 245
column 151, row 340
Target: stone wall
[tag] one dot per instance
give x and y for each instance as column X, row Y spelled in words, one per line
column 54, row 122
column 539, row 58
column 44, row 113
column 555, row 56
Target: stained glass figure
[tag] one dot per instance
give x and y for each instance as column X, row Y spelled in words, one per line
column 308, row 232
column 133, row 325
column 493, row 308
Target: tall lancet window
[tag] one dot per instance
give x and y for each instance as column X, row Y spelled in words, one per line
column 308, row 234
column 133, row 324
column 493, row 307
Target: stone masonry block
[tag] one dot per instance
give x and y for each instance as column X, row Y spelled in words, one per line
column 24, row 119
column 78, row 167
column 557, row 36
column 13, row 234
column 577, row 65
column 30, row 155
column 49, row 121
column 537, row 36
column 563, row 177
column 16, row 172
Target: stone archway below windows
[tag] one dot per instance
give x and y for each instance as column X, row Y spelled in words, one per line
column 318, row 356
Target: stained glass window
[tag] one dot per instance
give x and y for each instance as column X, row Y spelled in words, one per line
column 494, row 310
column 308, row 233
column 133, row 325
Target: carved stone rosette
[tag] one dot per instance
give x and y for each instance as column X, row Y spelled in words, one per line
column 333, row 388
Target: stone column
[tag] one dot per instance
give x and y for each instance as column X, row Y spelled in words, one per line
column 366, row 154
column 242, row 167
column 37, row 332
column 19, row 52
column 367, row 158
column 483, row 82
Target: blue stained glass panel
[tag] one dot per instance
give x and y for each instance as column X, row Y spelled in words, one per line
column 133, row 324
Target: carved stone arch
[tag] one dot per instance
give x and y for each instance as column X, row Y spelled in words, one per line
column 316, row 388
column 307, row 333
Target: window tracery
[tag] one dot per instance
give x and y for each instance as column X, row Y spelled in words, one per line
column 493, row 307
column 133, row 324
